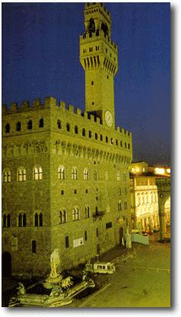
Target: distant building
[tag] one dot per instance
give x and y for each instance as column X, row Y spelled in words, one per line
column 65, row 172
column 144, row 195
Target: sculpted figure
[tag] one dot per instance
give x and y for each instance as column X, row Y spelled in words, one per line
column 55, row 262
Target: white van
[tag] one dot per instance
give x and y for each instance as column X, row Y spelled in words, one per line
column 100, row 267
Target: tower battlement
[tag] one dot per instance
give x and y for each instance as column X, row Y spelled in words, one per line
column 85, row 38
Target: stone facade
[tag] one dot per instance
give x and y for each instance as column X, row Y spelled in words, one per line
column 65, row 182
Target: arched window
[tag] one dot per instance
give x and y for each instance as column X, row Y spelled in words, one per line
column 118, row 176
column 68, row 127
column 87, row 212
column 76, row 129
column 22, row 220
column 83, row 132
column 125, row 145
column 7, row 128
column 75, row 214
column 41, row 123
column 29, row 125
column 6, row 220
column 119, row 206
column 18, row 126
column 59, row 124
column 40, row 219
column 62, row 216
column 61, row 172
column 101, row 137
column 6, row 176
column 21, row 174
column 96, row 136
column 116, row 142
column 37, row 173
column 74, row 173
column 86, row 174
column 36, row 219
column 90, row 133
column 106, row 139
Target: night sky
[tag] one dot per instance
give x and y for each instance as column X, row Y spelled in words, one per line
column 40, row 50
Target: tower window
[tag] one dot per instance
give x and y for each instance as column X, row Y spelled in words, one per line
column 76, row 129
column 93, row 103
column 90, row 134
column 121, row 143
column 128, row 146
column 106, row 139
column 87, row 212
column 18, row 126
column 62, row 216
column 92, row 83
column 101, row 137
column 74, row 173
column 7, row 128
column 68, row 127
column 125, row 145
column 96, row 136
column 59, row 124
column 90, row 49
column 83, row 132
column 97, row 48
column 29, row 125
column 85, row 235
column 41, row 123
column 86, row 174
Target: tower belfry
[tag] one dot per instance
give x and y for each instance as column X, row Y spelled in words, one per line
column 99, row 58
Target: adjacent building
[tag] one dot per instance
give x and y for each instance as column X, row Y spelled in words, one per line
column 65, row 179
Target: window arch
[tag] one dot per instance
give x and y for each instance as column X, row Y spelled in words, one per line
column 76, row 129
column 68, row 127
column 18, row 126
column 62, row 216
column 75, row 214
column 7, row 128
column 59, row 124
column 38, row 219
column 21, row 174
column 41, row 123
column 6, row 220
column 119, row 205
column 87, row 212
column 37, row 173
column 22, row 220
column 29, row 125
column 86, row 174
column 6, row 176
column 74, row 173
column 61, row 172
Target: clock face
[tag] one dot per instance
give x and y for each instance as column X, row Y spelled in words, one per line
column 108, row 118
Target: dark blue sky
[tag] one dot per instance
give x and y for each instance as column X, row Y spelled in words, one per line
column 41, row 58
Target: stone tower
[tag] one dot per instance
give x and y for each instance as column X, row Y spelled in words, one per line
column 99, row 58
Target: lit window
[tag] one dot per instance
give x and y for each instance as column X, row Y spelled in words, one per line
column 119, row 206
column 21, row 174
column 75, row 214
column 62, row 216
column 37, row 173
column 87, row 212
column 74, row 173
column 86, row 174
column 7, row 176
column 61, row 172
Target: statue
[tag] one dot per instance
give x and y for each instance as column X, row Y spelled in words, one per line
column 55, row 262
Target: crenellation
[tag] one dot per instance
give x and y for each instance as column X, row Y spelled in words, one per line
column 70, row 108
column 37, row 103
column 78, row 111
column 14, row 107
column 50, row 102
column 62, row 105
column 25, row 105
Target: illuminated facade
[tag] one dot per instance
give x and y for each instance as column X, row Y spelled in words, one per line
column 144, row 196
column 65, row 172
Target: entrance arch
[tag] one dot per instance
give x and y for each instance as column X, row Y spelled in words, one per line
column 6, row 264
column 163, row 185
